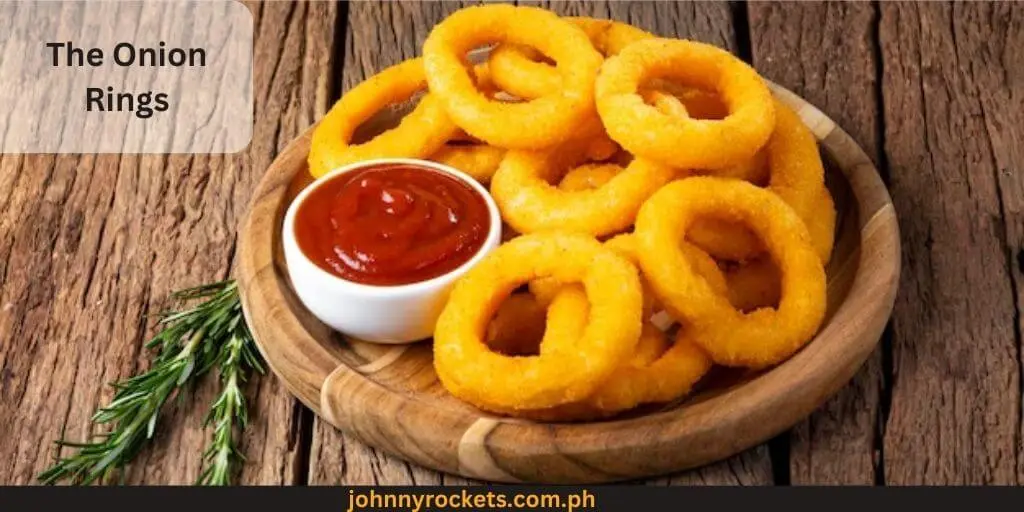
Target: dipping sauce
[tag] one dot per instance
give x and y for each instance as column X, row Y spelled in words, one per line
column 392, row 224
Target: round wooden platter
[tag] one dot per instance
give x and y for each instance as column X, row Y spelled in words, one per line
column 389, row 396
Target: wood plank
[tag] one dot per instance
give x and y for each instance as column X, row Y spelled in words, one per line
column 836, row 71
column 381, row 34
column 99, row 243
column 952, row 88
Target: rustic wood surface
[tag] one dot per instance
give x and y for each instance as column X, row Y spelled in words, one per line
column 91, row 244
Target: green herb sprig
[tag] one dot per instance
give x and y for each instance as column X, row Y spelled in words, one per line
column 228, row 412
column 191, row 342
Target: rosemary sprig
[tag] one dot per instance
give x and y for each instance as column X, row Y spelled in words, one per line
column 190, row 343
column 228, row 412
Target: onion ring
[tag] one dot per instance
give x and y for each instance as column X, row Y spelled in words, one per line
column 519, row 71
column 821, row 224
column 667, row 378
column 797, row 175
column 529, row 202
column 480, row 161
column 665, row 103
column 698, row 104
column 653, row 375
column 684, row 143
column 758, row 339
column 539, row 123
column 703, row 264
column 421, row 133
column 546, row 289
column 566, row 370
column 566, row 318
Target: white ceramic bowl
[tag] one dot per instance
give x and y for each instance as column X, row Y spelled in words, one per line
column 381, row 314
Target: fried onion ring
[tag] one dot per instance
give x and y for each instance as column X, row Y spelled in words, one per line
column 664, row 379
column 698, row 104
column 567, row 317
column 539, row 123
column 665, row 103
column 684, row 143
column 653, row 375
column 519, row 70
column 480, row 161
column 421, row 133
column 566, row 370
column 797, row 175
column 758, row 339
column 545, row 290
column 703, row 264
column 529, row 202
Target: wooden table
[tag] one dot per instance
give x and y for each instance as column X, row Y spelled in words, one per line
column 91, row 245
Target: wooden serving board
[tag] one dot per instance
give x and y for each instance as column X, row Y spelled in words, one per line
column 390, row 398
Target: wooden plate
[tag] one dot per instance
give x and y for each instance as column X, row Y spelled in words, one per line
column 390, row 398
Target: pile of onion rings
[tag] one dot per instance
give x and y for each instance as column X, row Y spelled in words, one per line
column 663, row 212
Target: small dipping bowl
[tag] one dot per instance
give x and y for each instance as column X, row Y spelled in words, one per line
column 392, row 314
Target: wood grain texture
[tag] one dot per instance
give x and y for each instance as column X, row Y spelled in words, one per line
column 952, row 90
column 836, row 71
column 91, row 245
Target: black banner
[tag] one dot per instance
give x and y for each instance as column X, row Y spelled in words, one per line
column 502, row 498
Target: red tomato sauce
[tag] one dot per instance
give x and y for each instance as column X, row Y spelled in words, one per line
column 392, row 224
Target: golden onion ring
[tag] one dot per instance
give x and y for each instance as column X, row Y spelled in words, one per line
column 545, row 290
column 694, row 103
column 480, row 161
column 529, row 202
column 567, row 317
column 418, row 135
column 758, row 339
column 796, row 174
column 684, row 143
column 518, row 70
column 566, row 370
column 667, row 378
column 542, row 122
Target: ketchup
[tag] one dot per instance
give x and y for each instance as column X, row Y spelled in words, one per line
column 392, row 224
